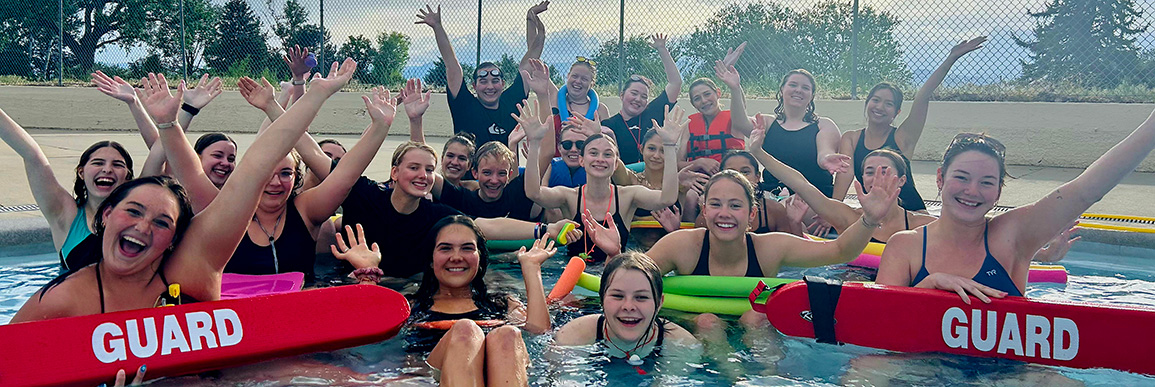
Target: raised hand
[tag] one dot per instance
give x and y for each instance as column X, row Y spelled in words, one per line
column 1057, row 248
column 359, row 253
column 658, row 41
column 604, row 237
column 758, row 135
column 205, row 91
column 515, row 137
column 542, row 249
column 338, row 77
column 675, row 124
column 535, row 128
column 159, row 101
column 881, row 198
column 796, row 208
column 727, row 73
column 732, row 54
column 669, row 217
column 114, row 87
column 260, row 95
column 967, row 46
column 380, row 106
column 295, row 57
column 585, row 126
column 429, row 17
column 836, row 163
column 536, row 9
column 537, row 76
column 416, row 103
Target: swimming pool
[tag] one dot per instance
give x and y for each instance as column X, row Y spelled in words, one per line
column 1127, row 276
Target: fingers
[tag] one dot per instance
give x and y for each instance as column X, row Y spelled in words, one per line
column 962, row 293
column 360, row 235
column 136, row 381
column 119, row 378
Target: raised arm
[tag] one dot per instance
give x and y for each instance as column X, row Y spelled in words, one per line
column 673, row 76
column 842, row 180
column 416, row 103
column 320, row 202
column 216, row 231
column 1035, row 224
column 57, row 205
column 297, row 59
column 197, row 98
column 535, row 131
column 120, row 90
column 674, row 124
column 181, row 157
column 537, row 313
column 911, row 129
column 837, row 213
column 453, row 73
column 740, row 125
column 534, row 35
column 809, row 253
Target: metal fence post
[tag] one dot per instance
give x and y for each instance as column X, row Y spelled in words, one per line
column 478, row 58
column 621, row 43
column 854, row 52
column 183, row 44
column 321, row 62
column 60, row 38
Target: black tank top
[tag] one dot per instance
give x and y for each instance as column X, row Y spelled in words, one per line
column 295, row 250
column 908, row 197
column 799, row 150
column 753, row 269
column 585, row 243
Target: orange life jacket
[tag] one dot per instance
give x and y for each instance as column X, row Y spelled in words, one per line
column 714, row 141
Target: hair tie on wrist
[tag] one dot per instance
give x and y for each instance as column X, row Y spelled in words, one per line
column 298, row 83
column 165, row 125
column 372, row 273
column 190, row 109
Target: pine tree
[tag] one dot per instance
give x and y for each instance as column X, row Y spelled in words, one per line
column 239, row 41
column 1088, row 42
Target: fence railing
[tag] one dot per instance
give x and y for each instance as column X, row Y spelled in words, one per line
column 1039, row 50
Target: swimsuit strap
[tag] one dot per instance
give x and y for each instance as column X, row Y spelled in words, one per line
column 922, row 273
column 703, row 267
column 601, row 324
column 906, row 218
column 100, row 287
column 753, row 269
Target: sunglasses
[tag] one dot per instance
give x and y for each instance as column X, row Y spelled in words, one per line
column 567, row 144
column 962, row 141
column 486, row 73
column 587, row 60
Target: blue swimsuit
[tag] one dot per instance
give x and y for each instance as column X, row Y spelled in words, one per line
column 992, row 274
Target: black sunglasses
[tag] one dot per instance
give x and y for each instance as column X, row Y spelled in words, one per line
column 567, row 144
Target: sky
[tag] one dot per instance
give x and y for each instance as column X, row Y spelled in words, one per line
column 927, row 28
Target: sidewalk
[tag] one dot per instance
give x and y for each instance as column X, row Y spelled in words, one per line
column 1133, row 196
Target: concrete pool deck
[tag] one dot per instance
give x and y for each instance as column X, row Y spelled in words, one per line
column 63, row 147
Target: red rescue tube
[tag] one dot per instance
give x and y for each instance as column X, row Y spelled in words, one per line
column 567, row 281
column 1062, row 333
column 191, row 338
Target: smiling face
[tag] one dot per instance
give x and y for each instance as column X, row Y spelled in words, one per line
column 573, row 155
column 878, row 166
column 970, row 186
column 218, row 161
column 705, row 99
column 600, row 157
column 455, row 257
column 279, row 186
column 652, row 153
column 105, row 170
column 579, row 81
column 492, row 176
column 488, row 87
column 629, row 305
column 797, row 90
column 881, row 108
column 455, row 162
column 413, row 174
column 139, row 229
column 727, row 210
column 635, row 99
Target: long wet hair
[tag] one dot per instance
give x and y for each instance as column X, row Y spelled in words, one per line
column 184, row 218
column 488, row 304
column 780, row 112
column 78, row 187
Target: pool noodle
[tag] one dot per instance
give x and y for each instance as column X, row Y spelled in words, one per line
column 569, row 278
column 734, row 306
column 655, row 224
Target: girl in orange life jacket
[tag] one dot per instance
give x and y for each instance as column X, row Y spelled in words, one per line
column 712, row 132
column 947, row 253
column 883, row 105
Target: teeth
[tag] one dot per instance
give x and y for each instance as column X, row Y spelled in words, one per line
column 968, row 203
column 726, row 225
column 134, row 240
column 456, row 269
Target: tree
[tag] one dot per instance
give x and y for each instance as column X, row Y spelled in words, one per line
column 768, row 29
column 1087, row 42
column 389, row 59
column 826, row 29
column 640, row 59
column 361, row 50
column 435, row 77
column 293, row 27
column 200, row 21
column 239, row 39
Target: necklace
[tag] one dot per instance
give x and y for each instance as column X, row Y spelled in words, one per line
column 276, row 264
column 631, row 357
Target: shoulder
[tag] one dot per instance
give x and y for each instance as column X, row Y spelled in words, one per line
column 921, row 219
column 580, row 331
column 676, row 332
column 825, row 123
column 437, row 209
column 63, row 299
column 852, row 135
column 903, row 241
column 680, row 246
column 463, row 94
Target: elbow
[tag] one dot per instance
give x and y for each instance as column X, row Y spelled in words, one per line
column 538, row 328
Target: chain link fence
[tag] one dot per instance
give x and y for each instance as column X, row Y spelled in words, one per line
column 1039, row 50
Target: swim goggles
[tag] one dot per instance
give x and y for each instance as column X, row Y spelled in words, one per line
column 486, row 73
column 963, row 141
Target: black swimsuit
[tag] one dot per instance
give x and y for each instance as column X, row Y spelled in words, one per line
column 908, row 196
column 182, row 299
column 584, row 244
column 293, row 250
column 753, row 269
column 657, row 344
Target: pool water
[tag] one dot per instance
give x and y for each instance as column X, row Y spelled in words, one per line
column 746, row 359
